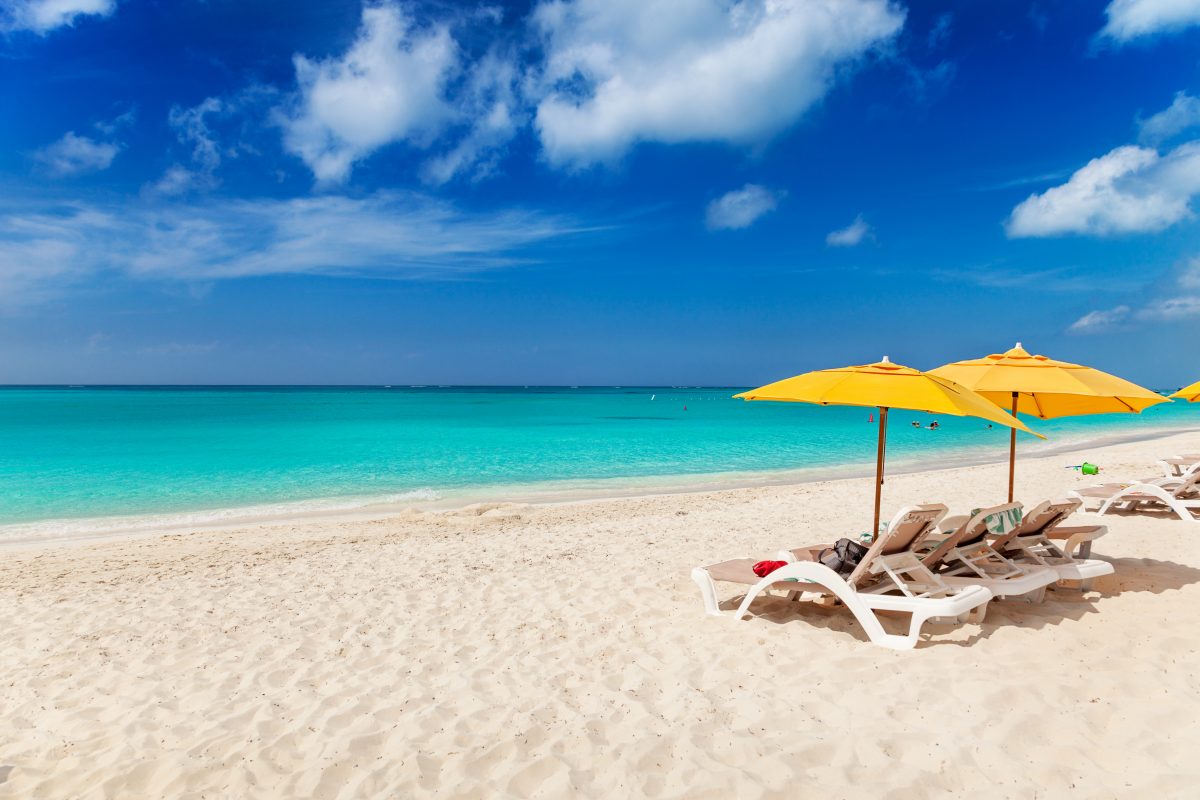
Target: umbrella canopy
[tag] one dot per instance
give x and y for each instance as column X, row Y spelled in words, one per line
column 1046, row 388
column 883, row 385
column 1190, row 393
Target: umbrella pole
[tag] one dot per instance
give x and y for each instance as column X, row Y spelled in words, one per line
column 883, row 413
column 1012, row 451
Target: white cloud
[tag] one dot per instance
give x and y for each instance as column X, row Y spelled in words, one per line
column 1183, row 114
column 1189, row 276
column 618, row 72
column 110, row 127
column 851, row 235
column 741, row 207
column 43, row 16
column 193, row 132
column 1070, row 280
column 1178, row 300
column 178, row 179
column 387, row 235
column 388, row 87
column 210, row 132
column 489, row 101
column 75, row 155
column 1131, row 19
column 1129, row 190
column 1171, row 309
column 1099, row 321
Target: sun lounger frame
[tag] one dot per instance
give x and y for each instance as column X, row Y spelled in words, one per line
column 892, row 581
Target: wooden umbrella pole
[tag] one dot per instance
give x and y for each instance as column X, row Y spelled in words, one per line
column 1012, row 451
column 883, row 413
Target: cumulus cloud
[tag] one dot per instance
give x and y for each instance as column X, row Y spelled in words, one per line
column 1129, row 190
column 851, row 235
column 741, row 207
column 43, row 16
column 605, row 75
column 618, row 72
column 387, row 87
column 1183, row 114
column 1099, row 321
column 387, row 235
column 75, row 155
column 1131, row 19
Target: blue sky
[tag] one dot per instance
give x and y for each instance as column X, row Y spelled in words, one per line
column 593, row 191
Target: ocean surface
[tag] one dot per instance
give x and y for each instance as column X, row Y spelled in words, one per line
column 81, row 454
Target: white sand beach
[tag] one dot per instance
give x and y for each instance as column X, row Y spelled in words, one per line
column 560, row 650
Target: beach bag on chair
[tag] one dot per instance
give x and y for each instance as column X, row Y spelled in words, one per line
column 843, row 557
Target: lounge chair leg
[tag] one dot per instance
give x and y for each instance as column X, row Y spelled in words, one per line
column 708, row 591
column 1184, row 513
column 914, row 634
column 1085, row 552
column 975, row 615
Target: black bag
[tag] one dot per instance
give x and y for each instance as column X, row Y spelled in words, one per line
column 843, row 557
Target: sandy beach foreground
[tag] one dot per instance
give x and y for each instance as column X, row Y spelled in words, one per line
column 560, row 650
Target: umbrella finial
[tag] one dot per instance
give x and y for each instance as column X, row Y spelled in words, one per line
column 886, row 360
column 1019, row 346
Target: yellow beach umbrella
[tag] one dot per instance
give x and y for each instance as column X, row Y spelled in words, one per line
column 1189, row 393
column 1045, row 388
column 883, row 385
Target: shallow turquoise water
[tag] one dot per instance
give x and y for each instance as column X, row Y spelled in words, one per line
column 84, row 452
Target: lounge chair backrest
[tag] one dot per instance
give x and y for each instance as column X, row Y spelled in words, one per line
column 904, row 532
column 998, row 520
column 1044, row 517
column 1188, row 484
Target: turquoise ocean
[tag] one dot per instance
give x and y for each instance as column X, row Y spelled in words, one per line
column 93, row 457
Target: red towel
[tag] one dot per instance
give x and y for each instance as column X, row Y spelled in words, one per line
column 764, row 568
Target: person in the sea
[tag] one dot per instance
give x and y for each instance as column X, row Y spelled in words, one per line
column 933, row 426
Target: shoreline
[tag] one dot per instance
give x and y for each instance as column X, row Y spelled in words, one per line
column 49, row 533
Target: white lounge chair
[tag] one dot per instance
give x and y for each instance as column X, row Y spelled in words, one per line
column 1179, row 466
column 1180, row 495
column 1033, row 542
column 967, row 556
column 890, row 577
